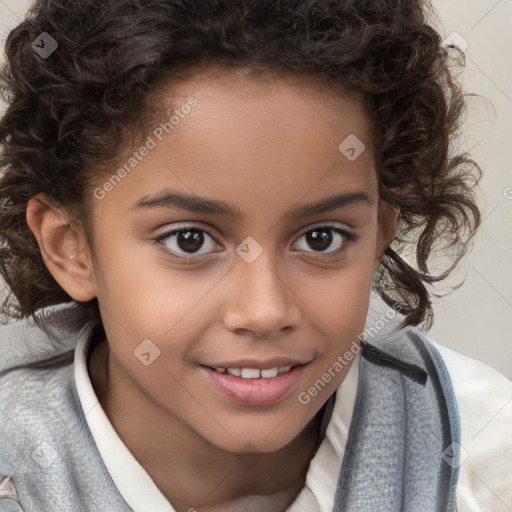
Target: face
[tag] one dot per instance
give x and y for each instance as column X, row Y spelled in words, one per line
column 241, row 270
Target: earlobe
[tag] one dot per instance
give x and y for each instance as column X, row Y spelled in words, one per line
column 63, row 247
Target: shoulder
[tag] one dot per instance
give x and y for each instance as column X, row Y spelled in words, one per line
column 36, row 403
column 484, row 402
column 484, row 399
column 23, row 386
column 34, row 365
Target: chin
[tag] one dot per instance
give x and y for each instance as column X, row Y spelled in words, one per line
column 261, row 440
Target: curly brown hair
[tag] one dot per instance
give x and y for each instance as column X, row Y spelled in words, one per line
column 72, row 114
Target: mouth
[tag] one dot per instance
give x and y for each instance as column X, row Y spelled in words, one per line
column 255, row 386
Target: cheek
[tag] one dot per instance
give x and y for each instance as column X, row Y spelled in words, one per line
column 124, row 266
column 142, row 296
column 341, row 297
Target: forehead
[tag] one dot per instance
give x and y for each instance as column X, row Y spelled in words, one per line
column 253, row 140
column 230, row 95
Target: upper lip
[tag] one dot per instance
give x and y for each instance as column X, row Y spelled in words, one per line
column 267, row 364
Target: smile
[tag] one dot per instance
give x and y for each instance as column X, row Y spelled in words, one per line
column 255, row 386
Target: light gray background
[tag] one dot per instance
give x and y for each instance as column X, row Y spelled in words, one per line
column 476, row 319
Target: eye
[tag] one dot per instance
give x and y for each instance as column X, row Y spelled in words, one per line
column 320, row 239
column 186, row 240
column 185, row 243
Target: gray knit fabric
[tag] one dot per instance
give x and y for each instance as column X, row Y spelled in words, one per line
column 47, row 445
column 404, row 423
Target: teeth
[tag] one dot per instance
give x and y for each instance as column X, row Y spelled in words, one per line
column 272, row 372
column 284, row 369
column 249, row 373
column 254, row 373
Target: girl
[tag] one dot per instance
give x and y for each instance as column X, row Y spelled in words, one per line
column 300, row 149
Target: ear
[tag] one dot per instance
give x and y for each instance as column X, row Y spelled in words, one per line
column 63, row 246
column 388, row 217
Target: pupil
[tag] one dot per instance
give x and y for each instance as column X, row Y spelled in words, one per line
column 192, row 240
column 317, row 239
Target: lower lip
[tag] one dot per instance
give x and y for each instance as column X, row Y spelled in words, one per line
column 259, row 391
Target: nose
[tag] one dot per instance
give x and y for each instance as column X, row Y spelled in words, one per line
column 261, row 300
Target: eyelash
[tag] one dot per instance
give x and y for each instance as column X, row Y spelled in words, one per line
column 350, row 238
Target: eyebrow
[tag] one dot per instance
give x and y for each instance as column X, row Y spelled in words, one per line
column 195, row 204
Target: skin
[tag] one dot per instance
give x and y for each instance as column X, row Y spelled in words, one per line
column 265, row 146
